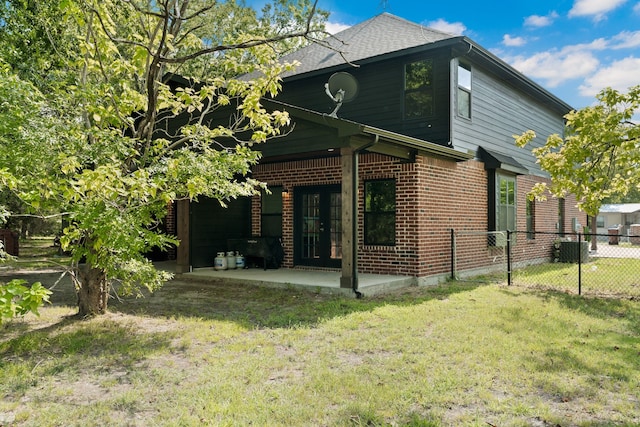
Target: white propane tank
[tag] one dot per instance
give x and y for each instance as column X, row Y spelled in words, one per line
column 231, row 260
column 240, row 261
column 220, row 262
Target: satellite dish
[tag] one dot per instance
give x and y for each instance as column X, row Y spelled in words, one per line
column 342, row 87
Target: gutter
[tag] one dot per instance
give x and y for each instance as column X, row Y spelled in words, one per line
column 354, row 212
column 423, row 146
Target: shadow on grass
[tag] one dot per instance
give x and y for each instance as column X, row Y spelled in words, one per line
column 261, row 307
column 73, row 346
column 618, row 343
column 251, row 306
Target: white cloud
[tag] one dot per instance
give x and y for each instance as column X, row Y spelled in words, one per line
column 335, row 27
column 456, row 28
column 540, row 21
column 620, row 75
column 595, row 45
column 636, row 8
column 507, row 40
column 626, row 40
column 556, row 67
column 579, row 61
column 595, row 8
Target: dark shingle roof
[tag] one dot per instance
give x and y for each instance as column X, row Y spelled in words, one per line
column 386, row 35
column 380, row 35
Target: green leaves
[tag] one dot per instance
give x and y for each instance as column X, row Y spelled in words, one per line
column 16, row 299
column 142, row 105
column 597, row 158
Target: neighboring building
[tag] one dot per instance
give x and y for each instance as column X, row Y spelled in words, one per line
column 426, row 146
column 620, row 216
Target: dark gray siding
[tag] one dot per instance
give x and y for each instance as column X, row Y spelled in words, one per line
column 380, row 98
column 499, row 111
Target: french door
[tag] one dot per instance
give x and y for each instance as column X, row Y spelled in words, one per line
column 318, row 226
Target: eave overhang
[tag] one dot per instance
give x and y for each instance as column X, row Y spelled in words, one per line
column 497, row 161
column 370, row 138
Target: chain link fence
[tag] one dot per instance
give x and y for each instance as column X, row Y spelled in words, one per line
column 479, row 255
column 610, row 266
column 572, row 263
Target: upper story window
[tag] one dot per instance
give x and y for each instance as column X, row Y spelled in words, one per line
column 418, row 89
column 464, row 91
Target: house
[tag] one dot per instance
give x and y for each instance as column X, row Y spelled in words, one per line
column 621, row 216
column 425, row 147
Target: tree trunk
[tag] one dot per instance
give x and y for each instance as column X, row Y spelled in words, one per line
column 92, row 290
column 593, row 230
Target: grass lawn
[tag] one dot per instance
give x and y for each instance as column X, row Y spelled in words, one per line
column 212, row 354
column 599, row 276
column 38, row 252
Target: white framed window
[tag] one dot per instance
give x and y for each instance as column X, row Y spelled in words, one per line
column 463, row 100
column 505, row 203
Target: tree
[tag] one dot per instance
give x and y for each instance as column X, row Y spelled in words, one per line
column 108, row 156
column 18, row 127
column 598, row 157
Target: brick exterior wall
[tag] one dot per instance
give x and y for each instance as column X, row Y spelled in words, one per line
column 546, row 222
column 433, row 196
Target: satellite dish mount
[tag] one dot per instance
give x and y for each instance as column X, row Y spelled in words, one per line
column 342, row 87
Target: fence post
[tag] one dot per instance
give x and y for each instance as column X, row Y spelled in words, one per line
column 453, row 255
column 508, row 258
column 579, row 264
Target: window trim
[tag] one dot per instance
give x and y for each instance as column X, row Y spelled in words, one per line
column 388, row 213
column 512, row 208
column 495, row 177
column 467, row 90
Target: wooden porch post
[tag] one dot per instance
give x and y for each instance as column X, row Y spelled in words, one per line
column 183, row 255
column 349, row 166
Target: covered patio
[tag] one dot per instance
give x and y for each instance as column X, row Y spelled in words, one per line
column 324, row 281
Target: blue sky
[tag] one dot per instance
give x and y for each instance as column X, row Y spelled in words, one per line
column 573, row 48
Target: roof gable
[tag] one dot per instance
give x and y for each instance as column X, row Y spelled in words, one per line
column 385, row 36
column 380, row 35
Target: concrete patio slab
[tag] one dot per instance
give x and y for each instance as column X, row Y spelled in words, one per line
column 314, row 280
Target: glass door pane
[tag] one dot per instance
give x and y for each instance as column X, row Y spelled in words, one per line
column 311, row 226
column 318, row 226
